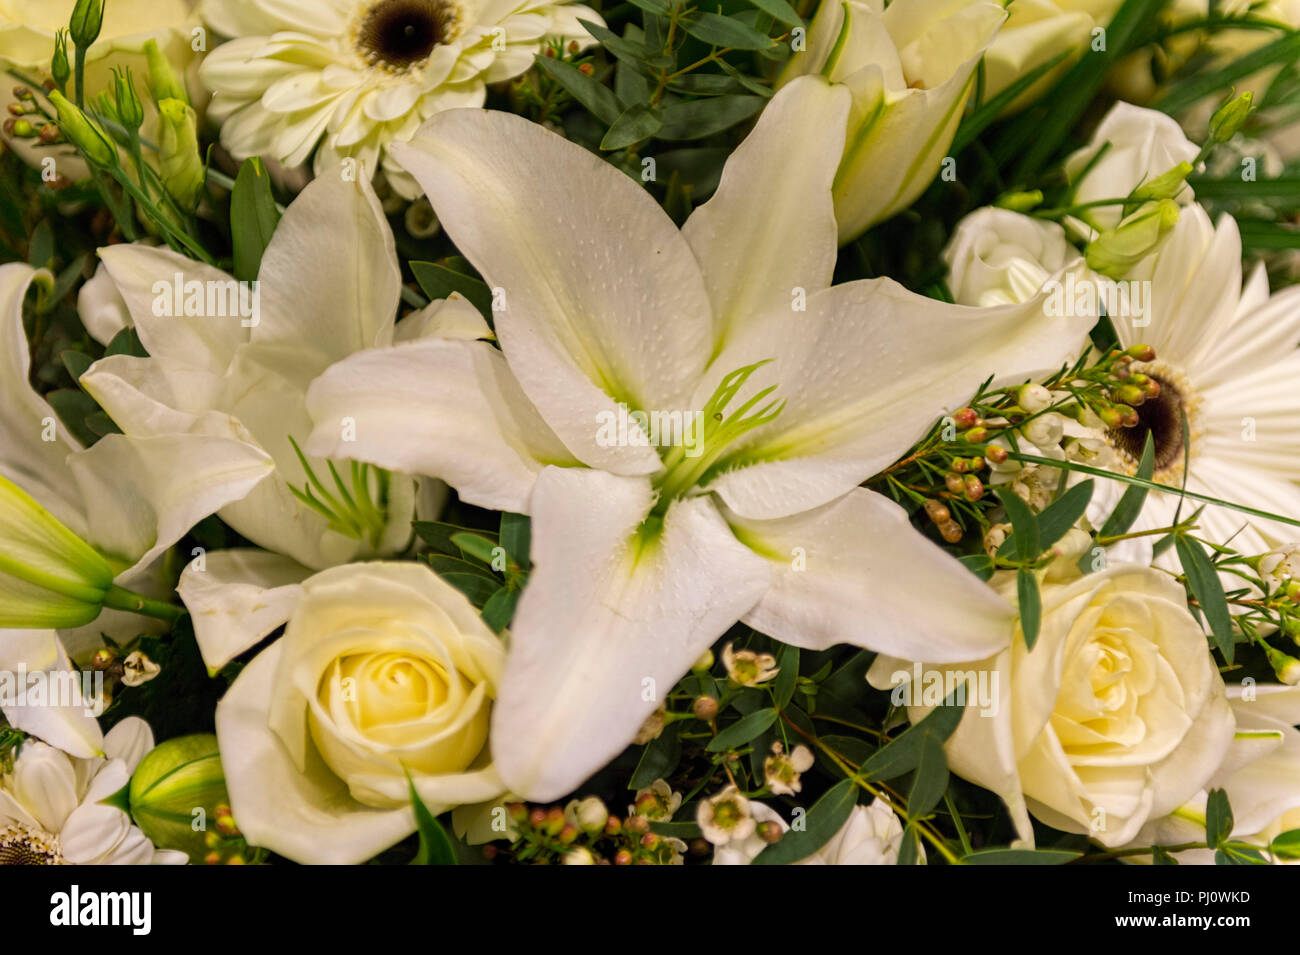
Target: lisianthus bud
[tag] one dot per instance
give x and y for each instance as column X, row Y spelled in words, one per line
column 179, row 161
column 87, row 18
column 178, row 784
column 1166, row 185
column 51, row 577
column 130, row 112
column 1227, row 119
column 1284, row 665
column 1020, row 201
column 1116, row 251
column 163, row 83
column 83, row 132
column 59, row 68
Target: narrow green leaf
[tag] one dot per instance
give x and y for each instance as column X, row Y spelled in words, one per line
column 658, row 760
column 439, row 281
column 478, row 589
column 436, row 847
column 500, row 608
column 783, row 685
column 1234, row 187
column 476, row 546
column 1207, row 588
column 1258, row 234
column 1218, row 818
column 1024, row 526
column 599, row 99
column 1160, row 857
column 742, row 731
column 516, row 537
column 902, row 754
column 779, row 10
column 929, row 781
column 253, row 218
column 1020, row 857
column 1182, row 95
column 695, row 119
column 979, row 119
column 76, row 362
column 823, row 820
column 1134, row 496
column 1286, row 845
column 724, row 31
column 1030, row 602
column 634, row 124
column 1057, row 518
column 438, row 535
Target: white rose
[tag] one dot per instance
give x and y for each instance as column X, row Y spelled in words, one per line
column 999, row 257
column 1117, row 716
column 1260, row 775
column 1144, row 143
column 383, row 669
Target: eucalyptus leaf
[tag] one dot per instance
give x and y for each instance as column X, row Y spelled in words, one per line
column 827, row 815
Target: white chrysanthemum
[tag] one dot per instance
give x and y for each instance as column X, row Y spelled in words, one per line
column 1227, row 359
column 52, row 810
column 357, row 75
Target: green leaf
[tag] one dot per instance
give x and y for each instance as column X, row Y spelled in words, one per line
column 1261, row 234
column 628, row 50
column 446, row 564
column 1160, row 857
column 1218, row 818
column 978, row 564
column 634, row 124
column 783, row 685
column 476, row 546
column 598, row 98
column 695, row 119
column 73, row 406
column 478, row 589
column 40, row 249
column 1207, row 588
column 1134, row 496
column 500, row 608
column 126, row 342
column 724, row 31
column 1059, row 516
column 253, row 218
column 1190, row 91
column 1286, row 845
column 439, row 281
column 742, row 731
column 930, row 780
column 436, row 847
column 438, row 535
column 909, row 849
column 1024, row 526
column 76, row 362
column 979, row 119
column 779, row 10
column 516, row 537
column 1236, row 188
column 903, row 753
column 658, row 760
column 827, row 815
column 658, row 7
column 1030, row 602
column 1020, row 857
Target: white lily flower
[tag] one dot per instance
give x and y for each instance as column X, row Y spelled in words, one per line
column 910, row 68
column 359, row 75
column 68, row 724
column 644, row 556
column 329, row 286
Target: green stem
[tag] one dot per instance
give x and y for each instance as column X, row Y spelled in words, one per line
column 120, row 599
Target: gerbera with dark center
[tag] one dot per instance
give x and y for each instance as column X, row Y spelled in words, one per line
column 401, row 33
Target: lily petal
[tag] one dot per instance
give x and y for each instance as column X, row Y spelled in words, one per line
column 566, row 238
column 865, row 373
column 71, row 728
column 765, row 234
column 450, row 409
column 610, row 620
column 855, row 571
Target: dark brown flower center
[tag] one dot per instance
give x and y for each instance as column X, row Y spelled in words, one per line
column 20, row 845
column 1160, row 417
column 401, row 33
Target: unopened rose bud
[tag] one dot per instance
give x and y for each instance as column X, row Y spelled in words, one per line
column 705, row 708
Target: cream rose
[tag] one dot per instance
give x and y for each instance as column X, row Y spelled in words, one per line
column 1000, row 257
column 1143, row 144
column 383, row 669
column 1260, row 774
column 1117, row 716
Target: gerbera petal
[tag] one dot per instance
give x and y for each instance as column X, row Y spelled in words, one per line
column 610, row 620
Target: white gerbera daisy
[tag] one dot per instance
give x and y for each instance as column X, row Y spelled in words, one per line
column 357, row 75
column 52, row 810
column 1226, row 358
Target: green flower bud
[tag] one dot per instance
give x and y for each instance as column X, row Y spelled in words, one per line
column 49, row 577
column 1164, row 186
column 1285, row 666
column 1117, row 250
column 59, row 66
column 87, row 18
column 130, row 111
column 176, row 792
column 83, row 132
column 1227, row 119
column 1020, row 201
column 163, row 83
column 179, row 161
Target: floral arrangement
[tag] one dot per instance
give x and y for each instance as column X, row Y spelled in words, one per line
column 659, row 432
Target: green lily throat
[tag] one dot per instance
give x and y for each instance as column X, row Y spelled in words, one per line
column 718, row 436
column 360, row 512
